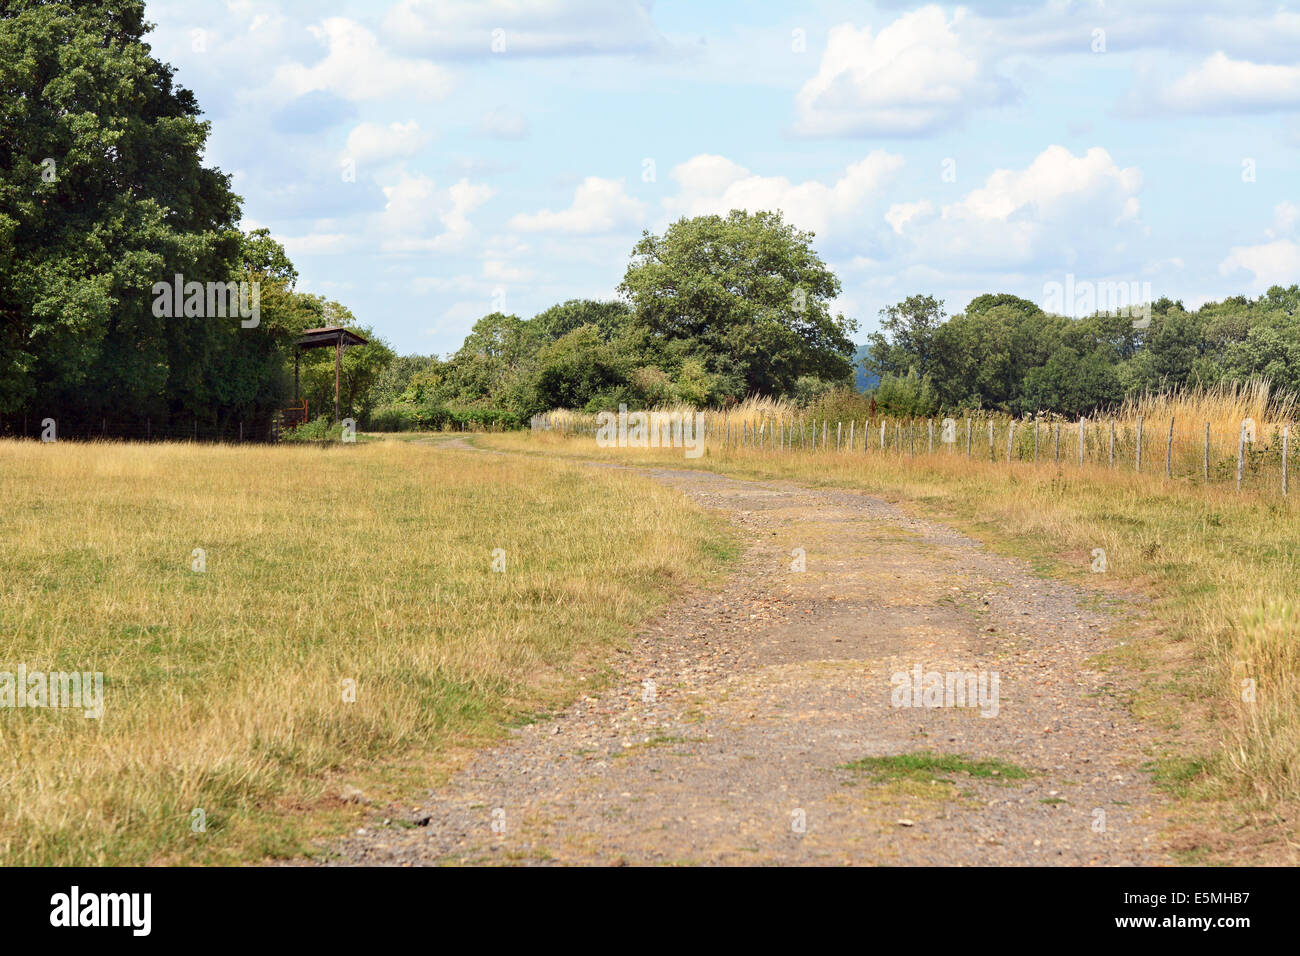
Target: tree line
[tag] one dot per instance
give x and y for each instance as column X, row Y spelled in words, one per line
column 1007, row 354
column 103, row 195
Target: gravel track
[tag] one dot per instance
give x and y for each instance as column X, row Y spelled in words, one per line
column 763, row 690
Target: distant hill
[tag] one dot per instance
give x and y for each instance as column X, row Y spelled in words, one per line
column 864, row 380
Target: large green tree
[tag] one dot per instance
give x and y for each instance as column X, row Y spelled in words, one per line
column 103, row 193
column 750, row 292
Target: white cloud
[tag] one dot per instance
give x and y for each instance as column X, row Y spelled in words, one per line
column 900, row 212
column 1286, row 216
column 1272, row 263
column 713, row 184
column 1056, row 184
column 415, row 207
column 916, row 75
column 1054, row 210
column 1223, row 85
column 372, row 143
column 533, row 28
column 599, row 205
column 356, row 67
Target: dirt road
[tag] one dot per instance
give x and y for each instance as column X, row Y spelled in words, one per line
column 731, row 735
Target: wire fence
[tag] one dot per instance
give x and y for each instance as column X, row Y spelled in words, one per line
column 1251, row 455
column 54, row 428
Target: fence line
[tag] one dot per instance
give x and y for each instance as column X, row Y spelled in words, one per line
column 1192, row 452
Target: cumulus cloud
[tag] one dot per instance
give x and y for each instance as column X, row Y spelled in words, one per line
column 467, row 28
column 713, row 184
column 913, row 77
column 1220, row 84
column 1051, row 211
column 1271, row 263
column 357, row 67
column 416, row 208
column 372, row 143
column 599, row 205
column 1286, row 216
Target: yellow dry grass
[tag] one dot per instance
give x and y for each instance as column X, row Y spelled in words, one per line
column 225, row 690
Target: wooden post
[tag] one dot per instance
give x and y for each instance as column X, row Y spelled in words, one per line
column 1138, row 460
column 839, row 434
column 1011, row 430
column 929, row 424
column 338, row 368
column 1035, row 441
column 1205, row 465
column 1169, row 450
column 968, row 452
column 825, row 433
column 990, row 438
column 852, row 424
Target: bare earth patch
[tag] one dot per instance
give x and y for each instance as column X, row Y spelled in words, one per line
column 763, row 693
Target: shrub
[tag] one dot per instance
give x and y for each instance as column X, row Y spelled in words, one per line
column 397, row 417
column 840, row 404
column 909, row 394
column 318, row 429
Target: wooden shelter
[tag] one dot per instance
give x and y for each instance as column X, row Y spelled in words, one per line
column 337, row 337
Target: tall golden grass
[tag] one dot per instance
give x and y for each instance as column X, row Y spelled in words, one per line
column 223, row 689
column 1190, row 434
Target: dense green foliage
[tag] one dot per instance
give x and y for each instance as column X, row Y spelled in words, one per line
column 103, row 194
column 715, row 309
column 1006, row 353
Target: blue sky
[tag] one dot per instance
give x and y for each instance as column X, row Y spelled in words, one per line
column 426, row 162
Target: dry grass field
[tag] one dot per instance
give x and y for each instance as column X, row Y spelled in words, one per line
column 362, row 570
